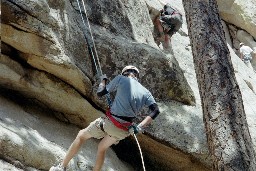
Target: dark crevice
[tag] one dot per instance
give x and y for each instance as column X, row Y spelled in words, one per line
column 127, row 150
column 94, row 105
column 14, row 54
column 62, row 117
column 24, row 101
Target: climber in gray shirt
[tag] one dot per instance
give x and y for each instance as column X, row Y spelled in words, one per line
column 117, row 124
column 130, row 96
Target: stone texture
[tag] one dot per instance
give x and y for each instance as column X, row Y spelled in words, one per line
column 157, row 71
column 239, row 13
column 31, row 136
column 43, row 41
column 48, row 90
column 246, row 38
column 8, row 167
column 65, row 61
column 227, row 34
column 45, row 58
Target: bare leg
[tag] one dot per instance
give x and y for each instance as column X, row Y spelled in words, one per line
column 166, row 41
column 160, row 29
column 81, row 137
column 104, row 144
column 158, row 24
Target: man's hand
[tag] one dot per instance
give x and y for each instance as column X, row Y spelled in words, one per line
column 103, row 77
column 135, row 129
column 102, row 86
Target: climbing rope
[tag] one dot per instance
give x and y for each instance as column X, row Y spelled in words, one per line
column 98, row 68
column 93, row 48
column 142, row 160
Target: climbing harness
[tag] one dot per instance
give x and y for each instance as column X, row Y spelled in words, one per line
column 123, row 126
column 92, row 50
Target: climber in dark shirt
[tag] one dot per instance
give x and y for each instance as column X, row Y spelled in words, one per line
column 168, row 23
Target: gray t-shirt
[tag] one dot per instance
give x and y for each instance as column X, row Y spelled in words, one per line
column 130, row 96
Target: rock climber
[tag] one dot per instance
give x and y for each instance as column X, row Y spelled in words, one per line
column 245, row 55
column 168, row 23
column 117, row 124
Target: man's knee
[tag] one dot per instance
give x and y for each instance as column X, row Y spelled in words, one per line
column 102, row 147
column 83, row 135
column 105, row 144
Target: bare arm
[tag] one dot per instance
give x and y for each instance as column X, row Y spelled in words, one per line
column 154, row 112
column 146, row 122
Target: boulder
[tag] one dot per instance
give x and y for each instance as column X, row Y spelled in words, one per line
column 70, row 61
column 239, row 13
column 246, row 38
column 31, row 138
column 45, row 58
column 49, row 90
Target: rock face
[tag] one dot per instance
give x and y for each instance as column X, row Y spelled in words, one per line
column 46, row 70
column 242, row 14
column 31, row 139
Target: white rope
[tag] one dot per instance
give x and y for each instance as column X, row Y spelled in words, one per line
column 92, row 37
column 98, row 68
column 140, row 152
column 90, row 30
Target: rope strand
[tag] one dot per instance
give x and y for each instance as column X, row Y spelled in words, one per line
column 140, row 152
column 97, row 57
column 91, row 50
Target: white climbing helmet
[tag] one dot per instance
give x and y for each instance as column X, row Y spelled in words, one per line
column 130, row 67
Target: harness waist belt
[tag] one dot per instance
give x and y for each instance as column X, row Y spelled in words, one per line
column 125, row 118
column 123, row 126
